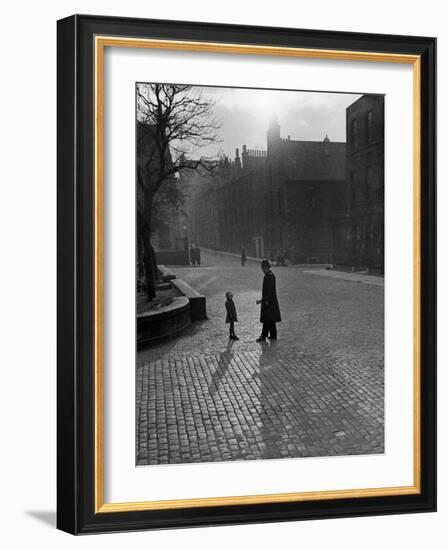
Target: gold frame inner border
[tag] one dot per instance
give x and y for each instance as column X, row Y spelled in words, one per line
column 101, row 42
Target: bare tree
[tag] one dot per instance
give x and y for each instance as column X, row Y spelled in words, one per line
column 173, row 122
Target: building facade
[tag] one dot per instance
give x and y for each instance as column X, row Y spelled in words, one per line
column 365, row 182
column 273, row 200
column 318, row 202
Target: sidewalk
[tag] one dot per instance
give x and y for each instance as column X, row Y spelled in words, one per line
column 255, row 259
column 347, row 276
column 233, row 254
column 315, row 269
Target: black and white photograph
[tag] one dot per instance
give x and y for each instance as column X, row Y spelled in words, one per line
column 260, row 274
column 231, row 335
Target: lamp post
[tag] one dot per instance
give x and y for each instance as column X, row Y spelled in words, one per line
column 185, row 230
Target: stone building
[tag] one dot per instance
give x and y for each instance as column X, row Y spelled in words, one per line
column 279, row 199
column 306, row 182
column 364, row 229
column 321, row 202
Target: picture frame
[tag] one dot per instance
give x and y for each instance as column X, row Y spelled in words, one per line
column 82, row 42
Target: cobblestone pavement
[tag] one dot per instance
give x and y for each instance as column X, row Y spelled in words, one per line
column 317, row 391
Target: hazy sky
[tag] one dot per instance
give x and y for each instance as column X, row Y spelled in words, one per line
column 244, row 116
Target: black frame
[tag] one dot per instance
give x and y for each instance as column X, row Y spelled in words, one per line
column 75, row 172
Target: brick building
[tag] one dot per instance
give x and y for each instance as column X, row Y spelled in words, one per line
column 364, row 229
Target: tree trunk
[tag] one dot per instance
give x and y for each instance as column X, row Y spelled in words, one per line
column 146, row 252
column 140, row 268
column 149, row 262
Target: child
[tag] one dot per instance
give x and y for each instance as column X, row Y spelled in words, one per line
column 231, row 316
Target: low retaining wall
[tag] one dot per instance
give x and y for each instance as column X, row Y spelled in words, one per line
column 258, row 260
column 372, row 270
column 172, row 257
column 158, row 325
column 198, row 308
column 233, row 254
column 312, row 266
column 165, row 273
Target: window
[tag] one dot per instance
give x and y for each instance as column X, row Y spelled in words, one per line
column 369, row 125
column 309, row 236
column 354, row 133
column 352, row 195
column 369, row 182
column 279, row 199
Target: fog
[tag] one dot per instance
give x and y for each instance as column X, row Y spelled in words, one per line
column 244, row 115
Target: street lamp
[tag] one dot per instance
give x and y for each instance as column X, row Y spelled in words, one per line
column 184, row 227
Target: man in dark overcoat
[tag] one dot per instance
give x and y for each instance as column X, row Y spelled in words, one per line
column 270, row 310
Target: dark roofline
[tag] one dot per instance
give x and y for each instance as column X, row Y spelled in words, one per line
column 355, row 102
column 307, row 181
column 362, row 97
column 314, row 141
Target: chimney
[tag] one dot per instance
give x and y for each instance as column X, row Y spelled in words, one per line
column 273, row 135
column 237, row 158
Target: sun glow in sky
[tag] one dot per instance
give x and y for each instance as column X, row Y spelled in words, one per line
column 244, row 115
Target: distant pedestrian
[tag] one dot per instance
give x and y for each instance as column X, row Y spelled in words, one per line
column 192, row 254
column 197, row 251
column 270, row 310
column 279, row 258
column 282, row 258
column 231, row 317
column 243, row 256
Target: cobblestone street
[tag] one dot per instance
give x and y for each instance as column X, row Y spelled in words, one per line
column 317, row 391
